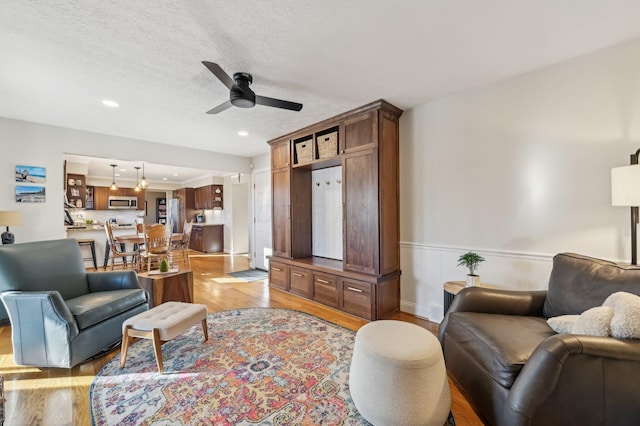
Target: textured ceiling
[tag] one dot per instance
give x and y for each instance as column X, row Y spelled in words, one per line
column 59, row 59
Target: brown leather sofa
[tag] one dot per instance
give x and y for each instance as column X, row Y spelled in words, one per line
column 515, row 370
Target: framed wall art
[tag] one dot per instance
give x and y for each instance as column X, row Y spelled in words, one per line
column 30, row 194
column 31, row 174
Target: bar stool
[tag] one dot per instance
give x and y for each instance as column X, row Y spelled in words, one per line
column 92, row 246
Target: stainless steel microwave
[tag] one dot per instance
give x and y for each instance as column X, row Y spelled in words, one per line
column 122, row 202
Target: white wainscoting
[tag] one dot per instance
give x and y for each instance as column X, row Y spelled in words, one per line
column 326, row 196
column 426, row 267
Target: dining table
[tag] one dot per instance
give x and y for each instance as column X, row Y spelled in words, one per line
column 136, row 240
column 139, row 239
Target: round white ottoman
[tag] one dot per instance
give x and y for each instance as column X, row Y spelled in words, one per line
column 398, row 376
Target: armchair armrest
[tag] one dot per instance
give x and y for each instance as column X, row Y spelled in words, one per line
column 583, row 378
column 115, row 280
column 494, row 301
column 42, row 327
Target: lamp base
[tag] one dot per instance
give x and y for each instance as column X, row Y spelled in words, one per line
column 8, row 237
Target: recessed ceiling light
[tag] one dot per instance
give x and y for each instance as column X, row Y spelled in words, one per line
column 175, row 174
column 117, row 174
column 164, row 178
column 109, row 103
column 123, row 170
column 243, row 133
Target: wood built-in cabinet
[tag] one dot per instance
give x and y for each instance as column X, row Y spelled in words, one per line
column 365, row 142
column 101, row 196
column 209, row 197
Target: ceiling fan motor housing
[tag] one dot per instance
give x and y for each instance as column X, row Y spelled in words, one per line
column 241, row 95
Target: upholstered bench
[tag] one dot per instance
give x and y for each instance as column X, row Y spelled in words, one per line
column 161, row 324
column 398, row 376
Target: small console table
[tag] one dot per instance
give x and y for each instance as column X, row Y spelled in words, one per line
column 451, row 288
column 174, row 287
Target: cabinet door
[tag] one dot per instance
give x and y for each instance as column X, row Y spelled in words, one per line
column 101, row 197
column 278, row 275
column 196, row 242
column 300, row 282
column 140, row 195
column 198, row 197
column 280, row 154
column 361, row 218
column 359, row 133
column 280, row 181
column 325, row 289
column 357, row 298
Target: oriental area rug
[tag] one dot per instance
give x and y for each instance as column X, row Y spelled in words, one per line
column 260, row 366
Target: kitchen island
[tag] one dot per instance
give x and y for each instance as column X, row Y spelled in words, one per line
column 207, row 238
column 99, row 235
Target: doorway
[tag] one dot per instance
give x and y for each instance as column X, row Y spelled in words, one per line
column 262, row 218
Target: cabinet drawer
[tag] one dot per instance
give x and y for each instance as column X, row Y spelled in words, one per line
column 299, row 282
column 357, row 298
column 325, row 289
column 278, row 275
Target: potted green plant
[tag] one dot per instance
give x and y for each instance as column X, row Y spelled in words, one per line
column 471, row 260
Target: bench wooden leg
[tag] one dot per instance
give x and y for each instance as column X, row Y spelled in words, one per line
column 124, row 346
column 157, row 348
column 204, row 329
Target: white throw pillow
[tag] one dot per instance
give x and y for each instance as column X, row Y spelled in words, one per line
column 563, row 323
column 625, row 323
column 594, row 322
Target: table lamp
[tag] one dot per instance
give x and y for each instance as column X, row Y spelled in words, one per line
column 625, row 191
column 9, row 218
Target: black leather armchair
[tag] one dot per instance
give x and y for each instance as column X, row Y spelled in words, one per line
column 60, row 314
column 515, row 370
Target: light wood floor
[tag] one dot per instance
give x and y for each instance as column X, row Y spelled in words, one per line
column 53, row 396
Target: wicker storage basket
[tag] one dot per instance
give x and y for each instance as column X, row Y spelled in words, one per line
column 304, row 151
column 327, row 145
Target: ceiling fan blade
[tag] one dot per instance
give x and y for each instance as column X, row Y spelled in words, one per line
column 219, row 72
column 220, row 108
column 278, row 103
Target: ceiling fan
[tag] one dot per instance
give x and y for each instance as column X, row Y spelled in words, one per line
column 241, row 95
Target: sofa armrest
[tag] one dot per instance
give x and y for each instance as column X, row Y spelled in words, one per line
column 583, row 378
column 42, row 327
column 494, row 301
column 115, row 280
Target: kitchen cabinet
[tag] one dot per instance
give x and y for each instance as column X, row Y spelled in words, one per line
column 366, row 281
column 207, row 238
column 101, row 196
column 209, row 197
column 76, row 190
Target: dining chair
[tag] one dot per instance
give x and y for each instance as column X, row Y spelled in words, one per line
column 157, row 244
column 116, row 250
column 181, row 248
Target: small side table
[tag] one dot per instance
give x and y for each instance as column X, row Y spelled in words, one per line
column 169, row 287
column 451, row 288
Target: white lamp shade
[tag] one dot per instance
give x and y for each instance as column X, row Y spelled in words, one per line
column 10, row 218
column 625, row 186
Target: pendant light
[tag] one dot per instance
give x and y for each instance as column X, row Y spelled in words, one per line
column 137, row 188
column 113, row 181
column 143, row 181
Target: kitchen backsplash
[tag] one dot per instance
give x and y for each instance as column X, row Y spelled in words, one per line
column 215, row 217
column 101, row 216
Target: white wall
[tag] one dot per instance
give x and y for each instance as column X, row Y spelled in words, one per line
column 518, row 171
column 31, row 144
